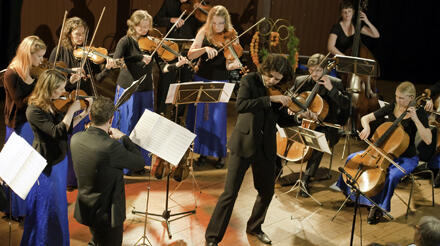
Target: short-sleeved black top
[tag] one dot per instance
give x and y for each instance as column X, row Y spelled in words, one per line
column 215, row 68
column 408, row 125
column 343, row 42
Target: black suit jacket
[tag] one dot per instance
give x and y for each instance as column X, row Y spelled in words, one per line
column 257, row 119
column 98, row 161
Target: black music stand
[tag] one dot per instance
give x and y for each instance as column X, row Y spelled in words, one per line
column 352, row 183
column 129, row 91
column 308, row 138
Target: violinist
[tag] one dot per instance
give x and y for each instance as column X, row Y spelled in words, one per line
column 138, row 64
column 332, row 91
column 211, row 118
column 73, row 37
column 19, row 84
column 415, row 121
column 253, row 143
column 46, row 215
column 342, row 33
column 166, row 17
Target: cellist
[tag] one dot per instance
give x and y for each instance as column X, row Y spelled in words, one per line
column 416, row 121
column 332, row 91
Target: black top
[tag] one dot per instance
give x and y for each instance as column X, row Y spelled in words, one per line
column 343, row 42
column 50, row 135
column 257, row 118
column 128, row 49
column 408, row 125
column 17, row 92
column 66, row 55
column 98, row 161
column 213, row 69
column 171, row 9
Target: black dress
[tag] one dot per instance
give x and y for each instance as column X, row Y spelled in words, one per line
column 343, row 42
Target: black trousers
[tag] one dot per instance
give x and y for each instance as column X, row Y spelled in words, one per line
column 106, row 236
column 263, row 171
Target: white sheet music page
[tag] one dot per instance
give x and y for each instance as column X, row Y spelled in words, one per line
column 20, row 165
column 171, row 93
column 162, row 137
column 227, row 92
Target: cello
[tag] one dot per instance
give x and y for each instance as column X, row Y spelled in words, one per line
column 364, row 99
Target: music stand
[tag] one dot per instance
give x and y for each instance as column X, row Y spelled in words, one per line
column 308, row 138
column 129, row 91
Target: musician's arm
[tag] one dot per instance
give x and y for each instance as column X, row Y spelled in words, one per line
column 369, row 29
column 196, row 49
column 421, row 121
column 331, row 44
column 338, row 95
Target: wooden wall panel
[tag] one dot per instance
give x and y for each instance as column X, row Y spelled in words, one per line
column 311, row 18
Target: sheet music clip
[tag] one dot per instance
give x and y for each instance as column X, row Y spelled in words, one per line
column 129, row 91
column 308, row 138
column 356, row 65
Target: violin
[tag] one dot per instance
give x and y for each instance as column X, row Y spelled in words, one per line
column 61, row 66
column 198, row 8
column 63, row 103
column 231, row 50
column 96, row 55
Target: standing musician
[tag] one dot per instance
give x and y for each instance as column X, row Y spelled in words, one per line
column 253, row 143
column 168, row 15
column 46, row 216
column 99, row 154
column 19, row 83
column 342, row 33
column 416, row 121
column 332, row 91
column 211, row 118
column 138, row 64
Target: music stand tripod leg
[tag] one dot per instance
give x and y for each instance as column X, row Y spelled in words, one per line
column 144, row 237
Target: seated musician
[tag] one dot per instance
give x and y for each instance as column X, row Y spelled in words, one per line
column 415, row 121
column 332, row 91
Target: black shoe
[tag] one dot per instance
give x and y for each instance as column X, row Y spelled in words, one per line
column 211, row 244
column 220, row 163
column 307, row 190
column 201, row 161
column 374, row 216
column 263, row 237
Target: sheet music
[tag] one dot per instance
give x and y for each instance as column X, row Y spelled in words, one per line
column 226, row 93
column 162, row 137
column 281, row 131
column 20, row 165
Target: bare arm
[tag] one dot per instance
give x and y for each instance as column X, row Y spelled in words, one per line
column 365, row 122
column 331, row 44
column 370, row 29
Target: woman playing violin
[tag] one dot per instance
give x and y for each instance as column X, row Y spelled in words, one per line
column 18, row 86
column 415, row 121
column 46, row 216
column 332, row 91
column 211, row 119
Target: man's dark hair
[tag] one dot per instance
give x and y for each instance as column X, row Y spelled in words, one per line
column 277, row 63
column 102, row 110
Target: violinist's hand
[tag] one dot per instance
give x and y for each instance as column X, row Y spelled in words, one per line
column 308, row 115
column 182, row 61
column 284, row 100
column 363, row 17
column 179, row 23
column 115, row 133
column 90, row 102
column 75, row 106
column 74, row 78
column 234, row 65
column 110, row 63
column 146, row 59
column 211, row 52
column 364, row 133
column 429, row 106
column 325, row 81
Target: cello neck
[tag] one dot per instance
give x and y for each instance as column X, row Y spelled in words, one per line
column 357, row 32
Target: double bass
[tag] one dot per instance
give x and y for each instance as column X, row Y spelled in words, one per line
column 364, row 100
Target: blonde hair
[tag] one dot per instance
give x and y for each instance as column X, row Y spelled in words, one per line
column 315, row 60
column 70, row 25
column 22, row 62
column 47, row 83
column 136, row 18
column 407, row 88
column 220, row 11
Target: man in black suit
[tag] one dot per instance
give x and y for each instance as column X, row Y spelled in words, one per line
column 99, row 154
column 332, row 91
column 253, row 143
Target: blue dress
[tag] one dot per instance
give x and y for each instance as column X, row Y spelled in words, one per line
column 46, row 220
column 383, row 199
column 129, row 113
column 18, row 205
column 210, row 126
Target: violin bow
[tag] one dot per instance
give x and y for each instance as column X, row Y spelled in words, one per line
column 59, row 39
column 194, row 10
column 168, row 33
column 238, row 36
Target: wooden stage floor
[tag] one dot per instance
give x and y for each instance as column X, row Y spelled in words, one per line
column 290, row 220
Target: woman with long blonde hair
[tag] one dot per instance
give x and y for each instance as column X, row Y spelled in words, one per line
column 211, row 118
column 46, row 217
column 18, row 84
column 415, row 121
